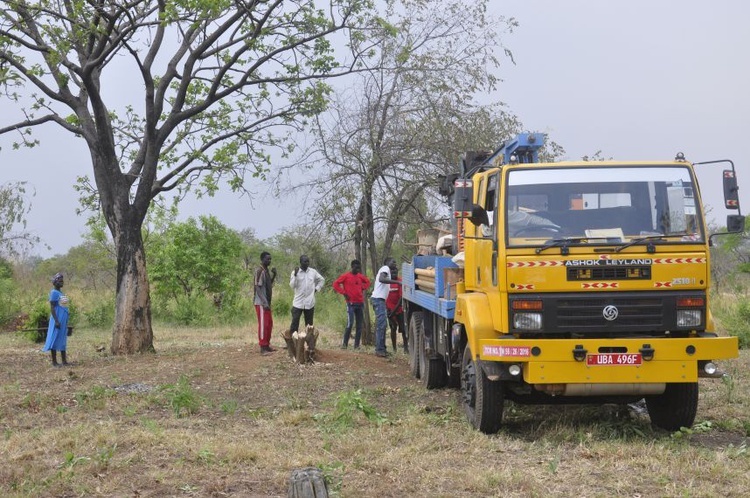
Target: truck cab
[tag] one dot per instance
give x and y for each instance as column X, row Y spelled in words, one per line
column 582, row 282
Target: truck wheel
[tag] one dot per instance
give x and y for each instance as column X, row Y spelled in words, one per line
column 675, row 408
column 481, row 398
column 431, row 370
column 416, row 331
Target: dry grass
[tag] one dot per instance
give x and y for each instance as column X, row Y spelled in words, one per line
column 208, row 416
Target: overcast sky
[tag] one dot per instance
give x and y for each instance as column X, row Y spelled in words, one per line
column 635, row 79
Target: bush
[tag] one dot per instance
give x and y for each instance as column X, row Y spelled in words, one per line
column 101, row 315
column 37, row 318
column 194, row 310
column 236, row 311
column 741, row 326
column 735, row 319
column 9, row 307
column 202, row 310
column 182, row 398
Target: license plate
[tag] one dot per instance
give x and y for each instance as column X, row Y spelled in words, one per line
column 614, row 359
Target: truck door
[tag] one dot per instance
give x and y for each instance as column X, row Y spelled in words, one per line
column 488, row 252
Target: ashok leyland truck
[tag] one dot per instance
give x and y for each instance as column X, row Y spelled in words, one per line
column 570, row 282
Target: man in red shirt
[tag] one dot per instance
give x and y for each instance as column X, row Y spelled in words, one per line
column 352, row 286
column 396, row 312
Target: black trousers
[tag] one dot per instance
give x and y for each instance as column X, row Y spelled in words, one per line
column 296, row 313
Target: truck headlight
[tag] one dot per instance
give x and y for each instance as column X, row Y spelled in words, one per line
column 527, row 321
column 689, row 318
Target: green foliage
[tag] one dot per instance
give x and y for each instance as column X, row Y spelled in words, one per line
column 293, row 242
column 182, row 398
column 330, row 308
column 100, row 312
column 13, row 210
column 734, row 317
column 190, row 312
column 686, row 432
column 229, row 406
column 333, row 473
column 95, row 398
column 190, row 259
column 730, row 386
column 741, row 323
column 201, row 310
column 37, row 315
column 281, row 307
column 346, row 407
column 9, row 307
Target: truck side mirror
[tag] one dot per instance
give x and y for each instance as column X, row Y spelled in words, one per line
column 731, row 191
column 735, row 223
column 479, row 216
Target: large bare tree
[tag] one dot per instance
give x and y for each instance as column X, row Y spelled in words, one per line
column 217, row 84
column 406, row 120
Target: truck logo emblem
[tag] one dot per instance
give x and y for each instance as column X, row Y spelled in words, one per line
column 610, row 313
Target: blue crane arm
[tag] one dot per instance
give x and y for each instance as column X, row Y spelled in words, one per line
column 525, row 148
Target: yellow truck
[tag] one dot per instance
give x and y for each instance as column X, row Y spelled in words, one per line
column 569, row 282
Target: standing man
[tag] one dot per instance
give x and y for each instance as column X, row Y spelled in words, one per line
column 352, row 286
column 396, row 311
column 263, row 283
column 305, row 282
column 379, row 295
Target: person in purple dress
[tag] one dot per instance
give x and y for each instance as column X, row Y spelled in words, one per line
column 57, row 332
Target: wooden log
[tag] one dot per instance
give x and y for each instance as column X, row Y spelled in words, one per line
column 299, row 347
column 307, row 483
column 425, row 284
column 310, row 341
column 287, row 335
column 427, row 272
column 295, row 340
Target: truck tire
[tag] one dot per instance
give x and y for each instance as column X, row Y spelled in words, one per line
column 415, row 338
column 431, row 370
column 481, row 398
column 675, row 408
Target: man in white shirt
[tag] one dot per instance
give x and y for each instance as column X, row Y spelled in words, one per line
column 378, row 297
column 306, row 282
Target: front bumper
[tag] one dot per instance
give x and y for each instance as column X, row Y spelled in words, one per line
column 552, row 361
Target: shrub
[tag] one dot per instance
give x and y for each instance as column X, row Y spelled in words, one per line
column 182, row 398
column 347, row 406
column 9, row 307
column 102, row 314
column 735, row 319
column 37, row 318
column 741, row 325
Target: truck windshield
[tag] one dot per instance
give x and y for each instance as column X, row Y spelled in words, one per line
column 601, row 205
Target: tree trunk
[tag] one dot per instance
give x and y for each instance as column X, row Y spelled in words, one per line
column 307, row 483
column 360, row 245
column 132, row 332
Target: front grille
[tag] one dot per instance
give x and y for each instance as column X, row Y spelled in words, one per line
column 577, row 314
column 650, row 313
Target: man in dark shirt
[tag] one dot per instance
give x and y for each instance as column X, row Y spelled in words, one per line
column 262, row 287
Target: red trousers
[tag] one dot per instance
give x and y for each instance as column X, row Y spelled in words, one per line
column 265, row 325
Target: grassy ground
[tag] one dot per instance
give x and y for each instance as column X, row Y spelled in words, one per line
column 207, row 415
